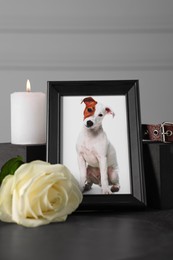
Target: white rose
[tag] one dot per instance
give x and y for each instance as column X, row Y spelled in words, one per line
column 39, row 193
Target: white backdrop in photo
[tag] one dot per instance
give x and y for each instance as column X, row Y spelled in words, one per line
column 116, row 129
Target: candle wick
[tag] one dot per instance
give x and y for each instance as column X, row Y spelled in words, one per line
column 28, row 90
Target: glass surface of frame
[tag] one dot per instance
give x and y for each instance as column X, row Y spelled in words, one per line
column 101, row 115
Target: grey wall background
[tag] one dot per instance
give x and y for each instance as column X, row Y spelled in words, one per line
column 83, row 40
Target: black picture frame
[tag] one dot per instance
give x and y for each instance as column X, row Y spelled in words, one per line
column 56, row 91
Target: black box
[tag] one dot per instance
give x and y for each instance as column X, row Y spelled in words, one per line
column 158, row 168
column 27, row 152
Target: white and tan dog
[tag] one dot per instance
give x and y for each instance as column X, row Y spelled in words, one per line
column 96, row 155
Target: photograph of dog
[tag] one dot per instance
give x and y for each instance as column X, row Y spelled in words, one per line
column 97, row 159
column 98, row 129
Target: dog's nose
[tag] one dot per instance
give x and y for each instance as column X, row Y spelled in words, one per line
column 89, row 123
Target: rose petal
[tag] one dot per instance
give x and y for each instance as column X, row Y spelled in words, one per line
column 6, row 198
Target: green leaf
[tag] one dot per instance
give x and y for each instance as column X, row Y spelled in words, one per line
column 10, row 167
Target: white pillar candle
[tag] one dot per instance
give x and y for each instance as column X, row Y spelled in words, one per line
column 28, row 117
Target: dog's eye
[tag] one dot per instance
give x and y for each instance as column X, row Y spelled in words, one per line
column 100, row 115
column 89, row 110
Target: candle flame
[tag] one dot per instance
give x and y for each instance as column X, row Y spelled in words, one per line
column 28, row 86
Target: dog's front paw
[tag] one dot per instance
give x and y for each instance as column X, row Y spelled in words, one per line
column 106, row 190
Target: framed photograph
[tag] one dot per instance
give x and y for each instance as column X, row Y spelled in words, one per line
column 94, row 129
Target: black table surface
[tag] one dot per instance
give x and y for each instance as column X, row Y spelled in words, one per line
column 120, row 235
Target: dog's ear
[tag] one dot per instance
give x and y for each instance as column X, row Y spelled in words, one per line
column 109, row 111
column 88, row 101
